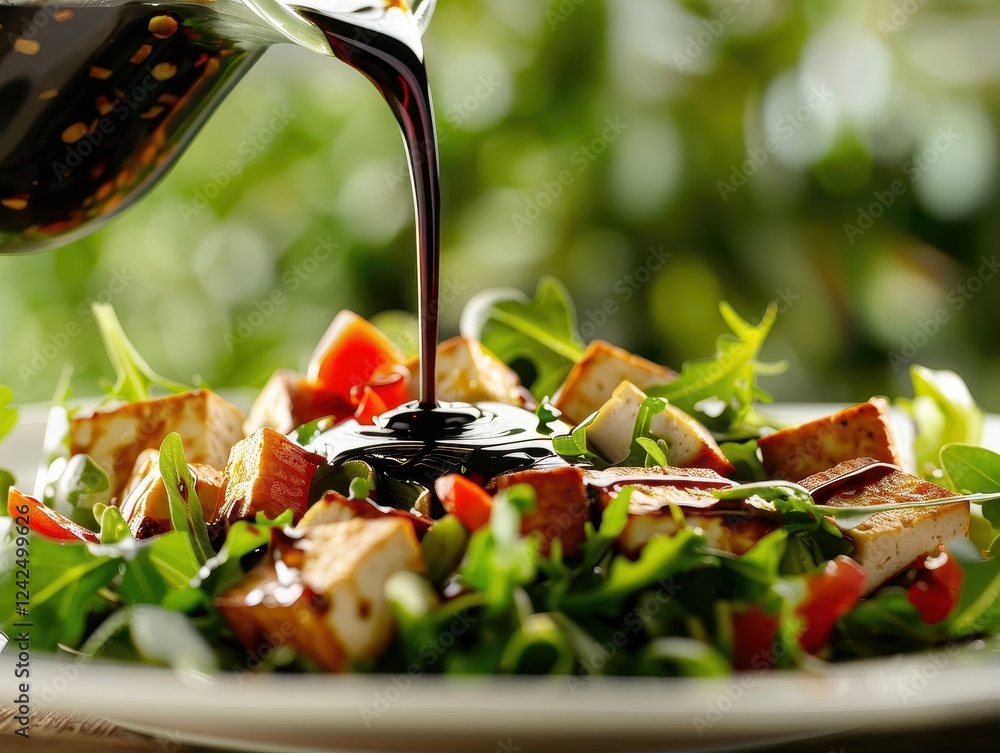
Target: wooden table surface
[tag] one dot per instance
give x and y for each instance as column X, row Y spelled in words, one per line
column 55, row 733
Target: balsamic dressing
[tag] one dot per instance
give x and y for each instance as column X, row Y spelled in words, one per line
column 850, row 482
column 420, row 442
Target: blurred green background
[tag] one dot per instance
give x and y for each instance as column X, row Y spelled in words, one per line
column 839, row 156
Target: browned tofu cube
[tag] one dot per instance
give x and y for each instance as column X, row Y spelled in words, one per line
column 862, row 431
column 268, row 473
column 335, row 508
column 655, row 489
column 889, row 542
column 596, row 375
column 562, row 507
column 329, row 601
column 208, row 426
column 145, row 505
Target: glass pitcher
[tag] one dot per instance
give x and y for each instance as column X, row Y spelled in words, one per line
column 99, row 98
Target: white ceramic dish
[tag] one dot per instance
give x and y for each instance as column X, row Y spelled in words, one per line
column 385, row 713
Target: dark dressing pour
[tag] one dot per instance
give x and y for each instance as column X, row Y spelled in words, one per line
column 418, row 443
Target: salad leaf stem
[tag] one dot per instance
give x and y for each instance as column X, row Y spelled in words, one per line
column 134, row 375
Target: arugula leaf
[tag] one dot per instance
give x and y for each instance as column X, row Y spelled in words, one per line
column 224, row 570
column 574, row 445
column 638, row 454
column 134, row 375
column 114, row 529
column 547, row 414
column 944, row 413
column 182, row 495
column 660, row 559
column 721, row 391
column 498, row 560
column 886, row 623
column 541, row 331
column 973, row 469
column 81, row 485
column 613, row 521
column 538, row 646
column 744, row 456
column 657, row 453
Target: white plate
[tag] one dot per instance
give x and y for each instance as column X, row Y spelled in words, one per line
column 386, row 713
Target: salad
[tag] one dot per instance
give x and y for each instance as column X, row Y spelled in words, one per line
column 681, row 531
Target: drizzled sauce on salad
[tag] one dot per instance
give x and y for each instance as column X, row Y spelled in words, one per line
column 420, row 442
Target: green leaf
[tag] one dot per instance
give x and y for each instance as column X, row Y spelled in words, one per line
column 8, row 416
column 681, row 657
column 721, row 391
column 660, row 559
column 613, row 521
column 637, row 455
column 443, row 548
column 744, row 456
column 226, row 569
column 134, row 377
column 978, row 608
column 498, row 560
column 7, row 480
column 657, row 453
column 81, row 484
column 944, row 413
column 113, row 526
column 573, row 446
column 538, row 647
column 182, row 495
column 973, row 469
column 541, row 330
column 547, row 414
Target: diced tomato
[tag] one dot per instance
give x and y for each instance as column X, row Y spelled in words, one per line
column 389, row 388
column 369, row 405
column 465, row 499
column 936, row 589
column 753, row 638
column 45, row 521
column 829, row 596
column 350, row 353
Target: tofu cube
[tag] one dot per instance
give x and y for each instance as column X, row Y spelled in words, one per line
column 691, row 444
column 145, row 505
column 268, row 473
column 328, row 601
column 889, row 542
column 862, row 431
column 562, row 507
column 468, row 373
column 649, row 514
column 595, row 376
column 208, row 426
column 335, row 508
